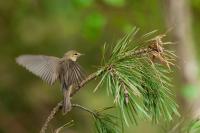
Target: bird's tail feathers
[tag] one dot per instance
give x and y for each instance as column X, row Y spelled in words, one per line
column 66, row 101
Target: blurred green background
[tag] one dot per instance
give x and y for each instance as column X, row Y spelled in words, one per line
column 53, row 27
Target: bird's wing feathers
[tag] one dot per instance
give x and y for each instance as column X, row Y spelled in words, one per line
column 46, row 67
column 79, row 73
column 74, row 73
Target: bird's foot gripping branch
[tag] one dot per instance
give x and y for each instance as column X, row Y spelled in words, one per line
column 136, row 75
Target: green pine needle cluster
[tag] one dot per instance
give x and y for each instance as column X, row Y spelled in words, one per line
column 182, row 125
column 106, row 123
column 192, row 127
column 140, row 88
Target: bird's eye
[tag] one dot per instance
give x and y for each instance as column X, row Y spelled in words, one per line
column 75, row 54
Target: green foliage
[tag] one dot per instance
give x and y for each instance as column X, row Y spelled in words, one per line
column 67, row 125
column 193, row 126
column 116, row 3
column 93, row 25
column 53, row 41
column 140, row 88
column 82, row 3
column 105, row 123
column 183, row 126
column 195, row 4
column 190, row 92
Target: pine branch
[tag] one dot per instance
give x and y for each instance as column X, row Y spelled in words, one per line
column 193, row 126
column 89, row 78
column 138, row 80
column 60, row 104
column 182, row 125
column 104, row 122
column 68, row 124
column 51, row 116
column 136, row 76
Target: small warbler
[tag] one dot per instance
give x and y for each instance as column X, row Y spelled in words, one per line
column 50, row 68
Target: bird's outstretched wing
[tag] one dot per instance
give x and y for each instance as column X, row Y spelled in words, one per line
column 77, row 73
column 46, row 67
column 73, row 73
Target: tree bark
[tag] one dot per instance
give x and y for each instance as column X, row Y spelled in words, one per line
column 178, row 18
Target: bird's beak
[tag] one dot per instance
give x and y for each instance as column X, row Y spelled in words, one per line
column 80, row 54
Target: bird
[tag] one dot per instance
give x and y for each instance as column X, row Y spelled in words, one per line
column 50, row 68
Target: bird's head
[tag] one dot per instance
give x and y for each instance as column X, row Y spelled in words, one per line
column 72, row 55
